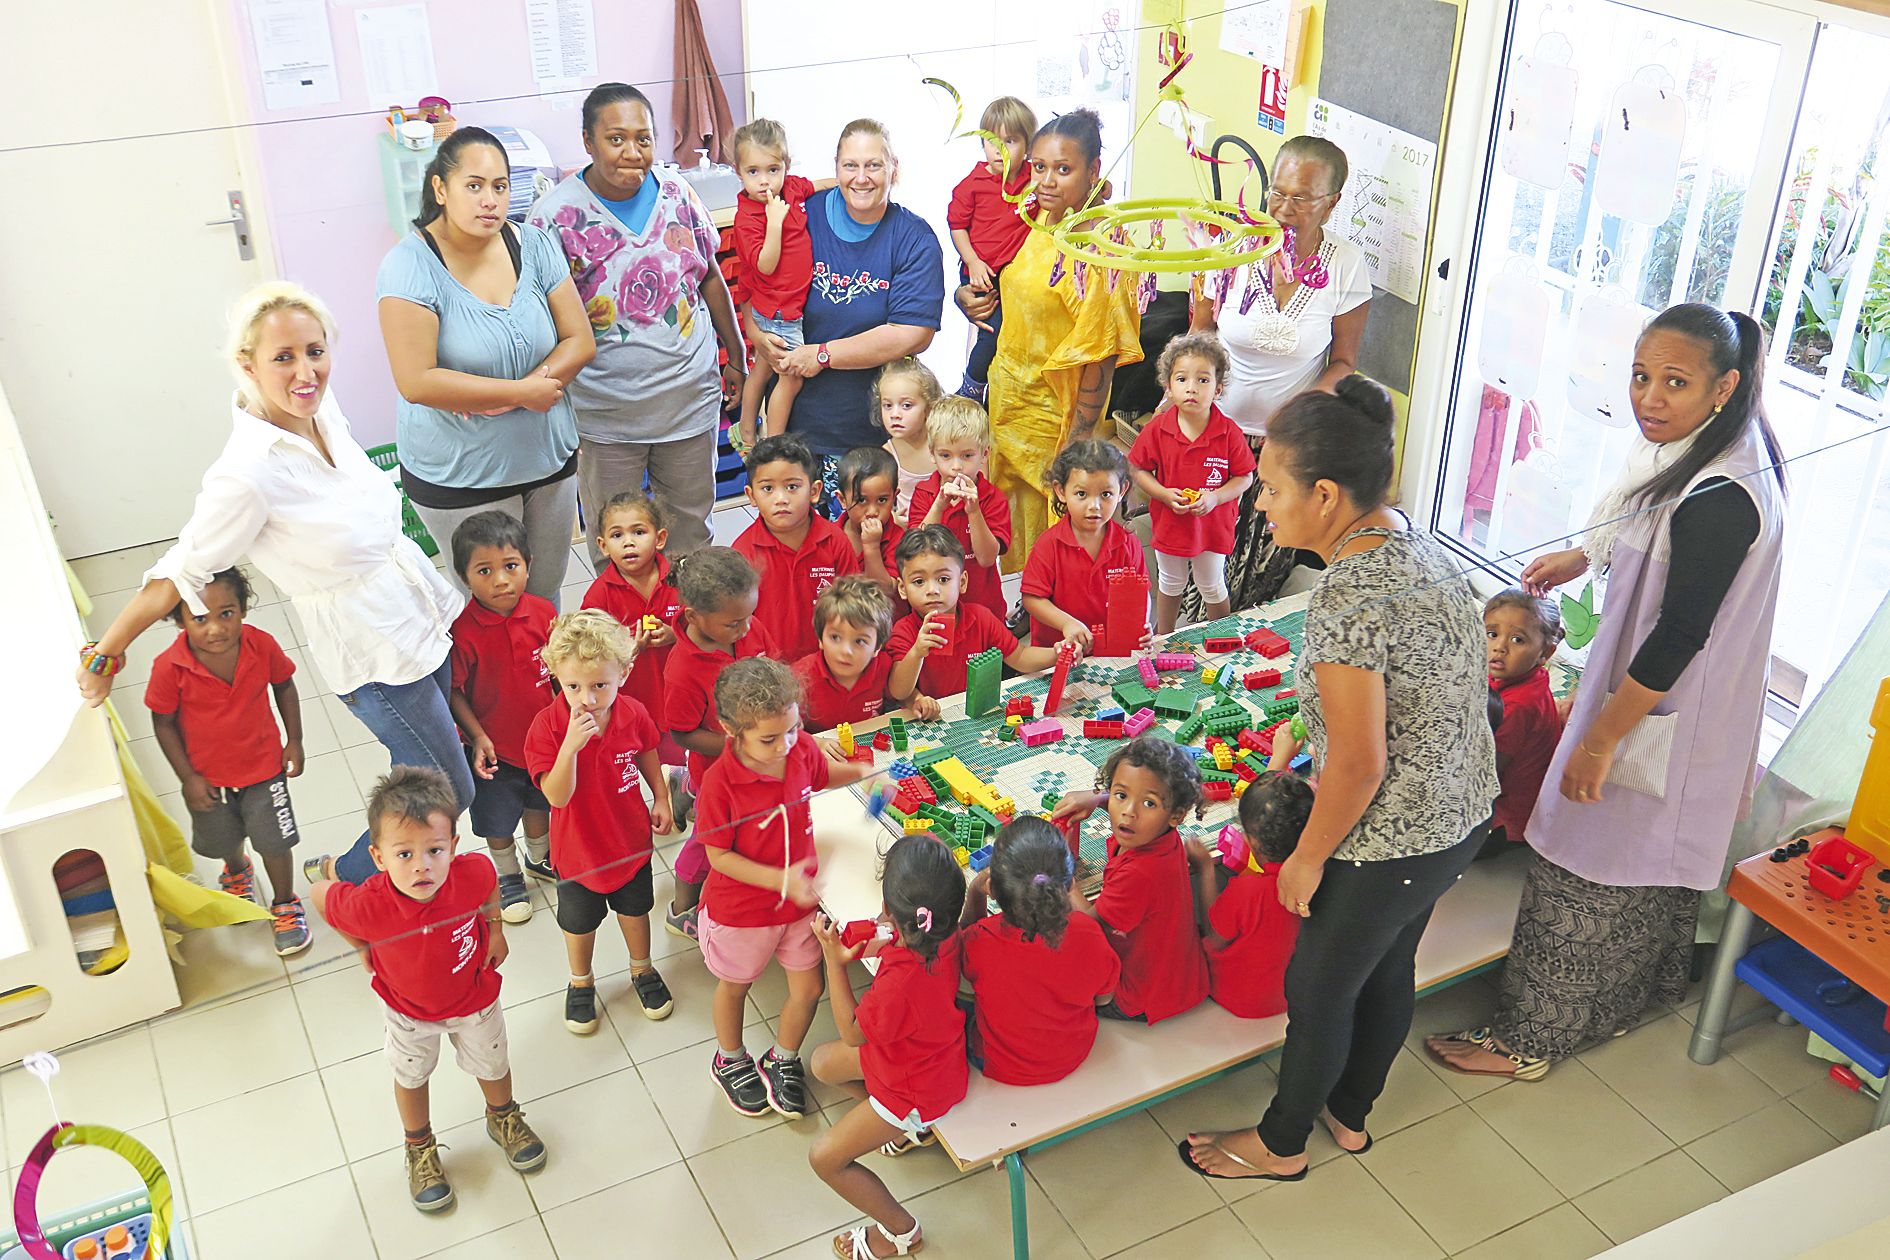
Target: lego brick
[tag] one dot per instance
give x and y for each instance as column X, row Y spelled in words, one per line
column 882, row 742
column 1217, row 791
column 1268, row 643
column 1288, row 694
column 1223, row 759
column 1138, row 722
column 1259, row 678
column 1192, row 727
column 1126, row 620
column 897, row 728
column 1007, row 733
column 1132, row 696
column 985, row 816
column 1098, row 729
column 1059, row 678
column 1110, row 713
column 1240, row 787
column 1211, row 775
column 844, row 733
column 1023, row 706
column 1042, row 731
column 902, row 768
column 983, row 673
column 1049, row 801
column 1277, row 709
column 979, row 859
column 1246, row 770
column 917, row 826
column 963, row 855
column 1175, row 660
column 1146, row 668
column 862, row 753
column 1220, row 644
column 1231, row 847
column 1225, row 726
column 931, row 756
column 1169, row 702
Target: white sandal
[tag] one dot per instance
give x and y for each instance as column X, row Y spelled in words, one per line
column 852, row 1245
column 907, row 1143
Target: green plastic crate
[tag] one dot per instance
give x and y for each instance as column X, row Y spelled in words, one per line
column 410, row 524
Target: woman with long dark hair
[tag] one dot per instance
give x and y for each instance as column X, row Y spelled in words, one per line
column 1656, row 762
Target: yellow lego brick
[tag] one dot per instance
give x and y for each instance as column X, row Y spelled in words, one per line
column 1239, row 787
column 1207, row 675
column 963, row 856
column 1005, row 805
column 1242, row 754
column 917, row 826
column 650, row 624
column 1015, row 719
column 844, row 733
column 1223, row 758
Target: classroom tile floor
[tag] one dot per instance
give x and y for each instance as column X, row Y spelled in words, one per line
column 268, row 1099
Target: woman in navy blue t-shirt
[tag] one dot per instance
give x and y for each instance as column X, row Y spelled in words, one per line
column 877, row 295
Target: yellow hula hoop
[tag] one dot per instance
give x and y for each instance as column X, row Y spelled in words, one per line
column 157, row 1184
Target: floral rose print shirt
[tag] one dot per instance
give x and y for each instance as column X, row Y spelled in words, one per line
column 655, row 378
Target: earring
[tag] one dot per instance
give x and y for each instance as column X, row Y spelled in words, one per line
column 1718, row 407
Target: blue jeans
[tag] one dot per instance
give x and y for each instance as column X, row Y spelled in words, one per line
column 413, row 723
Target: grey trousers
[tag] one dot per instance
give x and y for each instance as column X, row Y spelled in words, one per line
column 548, row 513
column 682, row 477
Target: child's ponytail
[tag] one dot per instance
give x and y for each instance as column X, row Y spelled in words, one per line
column 1031, row 872
column 924, row 892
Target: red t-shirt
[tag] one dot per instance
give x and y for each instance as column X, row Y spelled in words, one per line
column 979, row 210
column 689, row 685
column 1247, row 975
column 888, row 543
column 736, row 809
column 601, row 838
column 496, row 663
column 1209, row 462
column 428, row 958
column 914, row 1056
column 1036, row 1005
column 229, row 732
column 1147, row 904
column 985, row 586
column 782, row 294
column 943, row 673
column 613, row 593
column 825, row 704
column 1059, row 570
column 792, row 579
column 1525, row 743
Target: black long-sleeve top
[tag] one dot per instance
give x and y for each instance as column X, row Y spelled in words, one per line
column 1712, row 529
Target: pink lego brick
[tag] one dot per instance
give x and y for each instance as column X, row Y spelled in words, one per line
column 1175, row 660
column 1147, row 669
column 1042, row 731
column 1138, row 722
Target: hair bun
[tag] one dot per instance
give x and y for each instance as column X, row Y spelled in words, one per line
column 1369, row 398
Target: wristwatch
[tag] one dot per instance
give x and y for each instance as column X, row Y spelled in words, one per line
column 821, row 356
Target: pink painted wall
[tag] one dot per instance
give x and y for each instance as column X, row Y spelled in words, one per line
column 321, row 177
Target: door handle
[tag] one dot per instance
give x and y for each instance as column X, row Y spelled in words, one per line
column 238, row 219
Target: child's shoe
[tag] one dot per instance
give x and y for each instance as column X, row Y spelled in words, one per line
column 680, row 922
column 580, row 1008
column 315, row 869
column 523, row 1151
column 538, row 869
column 239, row 883
column 427, row 1185
column 786, row 1083
column 974, row 390
column 682, row 802
column 652, row 993
column 291, row 926
column 740, row 1083
column 515, row 904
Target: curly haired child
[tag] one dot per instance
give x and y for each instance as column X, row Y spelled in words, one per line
column 1067, row 574
column 1523, row 631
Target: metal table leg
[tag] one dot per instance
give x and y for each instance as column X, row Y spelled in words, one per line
column 1020, row 1221
column 1708, row 1031
column 1882, row 1116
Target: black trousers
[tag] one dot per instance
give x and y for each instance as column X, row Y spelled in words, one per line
column 1351, row 987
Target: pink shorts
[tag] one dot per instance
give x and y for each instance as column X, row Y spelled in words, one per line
column 740, row 954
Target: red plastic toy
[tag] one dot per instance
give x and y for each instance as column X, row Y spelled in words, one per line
column 1220, row 644
column 1835, row 867
column 1066, row 657
column 1262, row 678
column 1101, row 729
column 947, row 624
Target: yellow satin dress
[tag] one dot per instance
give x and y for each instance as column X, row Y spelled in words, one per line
column 1050, row 335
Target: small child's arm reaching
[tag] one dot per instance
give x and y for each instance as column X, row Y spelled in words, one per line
column 1068, row 817
column 289, row 704
column 978, row 273
column 318, row 893
column 1027, row 658
column 839, row 986
column 1042, row 608
column 903, row 681
column 485, row 761
column 977, row 894
column 1201, row 866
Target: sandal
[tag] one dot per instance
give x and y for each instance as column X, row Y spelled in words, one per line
column 1330, row 1122
column 906, row 1143
column 852, row 1245
column 1185, row 1148
column 1522, row 1067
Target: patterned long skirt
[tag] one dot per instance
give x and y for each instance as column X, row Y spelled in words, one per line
column 1587, row 960
column 1256, row 569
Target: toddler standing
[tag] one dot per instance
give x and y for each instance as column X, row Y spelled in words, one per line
column 987, row 230
column 960, row 496
column 1523, row 631
column 1194, row 464
column 907, row 391
column 777, row 261
column 1067, row 574
column 209, row 702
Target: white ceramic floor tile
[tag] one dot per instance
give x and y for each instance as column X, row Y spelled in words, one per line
column 343, row 1014
column 1561, row 1233
column 547, row 1058
column 763, row 1193
column 521, row 1240
column 1337, row 1211
column 232, row 1049
column 1650, row 1196
column 367, row 764
column 327, row 1223
column 1220, row 1234
column 1776, row 1053
column 1427, row 1167
column 598, row 1134
column 1761, row 1145
column 971, row 1217
column 691, row 1023
column 224, row 965
column 1837, row 1110
column 1572, row 1128
column 261, row 1141
column 1083, row 1177
column 1466, row 1004
column 349, row 729
column 694, row 1111
column 115, row 1076
column 659, row 1214
column 488, row 1194
column 1685, row 1100
column 361, row 1096
column 327, row 788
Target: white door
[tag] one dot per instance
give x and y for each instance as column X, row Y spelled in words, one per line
column 116, row 145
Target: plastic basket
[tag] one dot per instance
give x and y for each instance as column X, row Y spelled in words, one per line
column 410, row 524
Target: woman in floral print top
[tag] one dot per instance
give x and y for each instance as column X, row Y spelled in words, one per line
column 642, row 253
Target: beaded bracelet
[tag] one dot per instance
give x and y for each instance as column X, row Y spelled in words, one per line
column 97, row 662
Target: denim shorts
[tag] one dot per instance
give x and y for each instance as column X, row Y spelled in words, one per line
column 788, row 330
column 500, row 802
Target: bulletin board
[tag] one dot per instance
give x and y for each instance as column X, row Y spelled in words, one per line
column 1392, row 61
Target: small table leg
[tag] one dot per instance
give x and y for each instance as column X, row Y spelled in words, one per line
column 1734, row 936
column 1020, row 1222
column 1882, row 1117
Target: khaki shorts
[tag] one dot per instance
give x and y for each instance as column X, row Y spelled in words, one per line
column 479, row 1045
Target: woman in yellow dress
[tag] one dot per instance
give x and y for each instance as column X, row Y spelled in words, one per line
column 1066, row 329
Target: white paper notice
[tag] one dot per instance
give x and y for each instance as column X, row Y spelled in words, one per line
column 562, row 35
column 295, row 56
column 1257, row 30
column 397, row 53
column 1385, row 208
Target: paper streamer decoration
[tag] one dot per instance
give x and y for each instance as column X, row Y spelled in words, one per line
column 157, row 1184
column 1607, row 324
column 1515, row 330
column 1539, row 114
column 1640, row 148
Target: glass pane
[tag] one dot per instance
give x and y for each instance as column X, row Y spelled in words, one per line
column 1540, row 421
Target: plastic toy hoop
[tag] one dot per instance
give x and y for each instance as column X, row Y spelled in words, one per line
column 1102, row 242
column 157, row 1184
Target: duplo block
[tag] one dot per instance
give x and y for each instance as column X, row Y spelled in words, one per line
column 1059, row 677
column 983, row 673
column 1096, row 728
column 1132, row 696
column 1138, row 722
column 1174, row 660
column 1020, row 706
column 1110, row 713
column 1220, row 643
column 1192, row 727
column 1126, row 620
column 1146, row 668
column 896, row 726
column 1042, row 731
column 1171, row 703
column 1259, row 678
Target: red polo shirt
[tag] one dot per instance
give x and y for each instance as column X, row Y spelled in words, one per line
column 979, row 210
column 1061, row 571
column 943, row 673
column 736, row 809
column 888, row 543
column 781, row 294
column 792, row 578
column 985, row 586
column 1525, row 744
column 229, row 732
column 689, row 685
column 496, row 664
column 1036, row 1005
column 914, row 1056
column 1247, row 975
column 825, row 703
column 602, row 836
column 613, row 593
column 1147, row 903
column 427, row 959
column 1209, row 462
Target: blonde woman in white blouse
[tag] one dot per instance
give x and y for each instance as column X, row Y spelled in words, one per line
column 294, row 492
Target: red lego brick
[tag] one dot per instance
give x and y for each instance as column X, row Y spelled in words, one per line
column 1262, row 678
column 1220, row 644
column 883, row 741
column 1126, row 620
column 1251, row 739
column 1094, row 729
column 1066, row 657
column 862, row 753
column 1245, row 769
column 1288, row 694
column 1020, row 706
column 1216, row 790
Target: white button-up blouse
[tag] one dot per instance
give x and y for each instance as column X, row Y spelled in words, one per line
column 374, row 607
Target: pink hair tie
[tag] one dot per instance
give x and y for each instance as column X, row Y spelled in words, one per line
column 924, row 916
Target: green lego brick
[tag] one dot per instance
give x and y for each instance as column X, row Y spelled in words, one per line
column 1170, row 703
column 985, row 816
column 1190, row 728
column 1279, row 709
column 1217, row 776
column 1007, row 733
column 1226, row 726
column 937, row 813
column 982, row 675
column 900, row 741
column 932, row 756
column 894, row 813
column 1132, row 696
column 1050, row 800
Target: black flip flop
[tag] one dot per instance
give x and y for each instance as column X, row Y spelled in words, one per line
column 1183, row 1148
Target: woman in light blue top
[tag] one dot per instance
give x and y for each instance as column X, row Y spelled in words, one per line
column 484, row 331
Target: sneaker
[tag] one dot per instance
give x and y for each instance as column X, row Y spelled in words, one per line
column 291, row 926
column 653, row 993
column 680, row 922
column 580, row 1008
column 239, row 883
column 786, row 1083
column 682, row 802
column 515, row 904
column 538, row 870
column 741, row 1084
column 974, row 390
column 315, row 869
column 427, row 1185
column 522, row 1148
